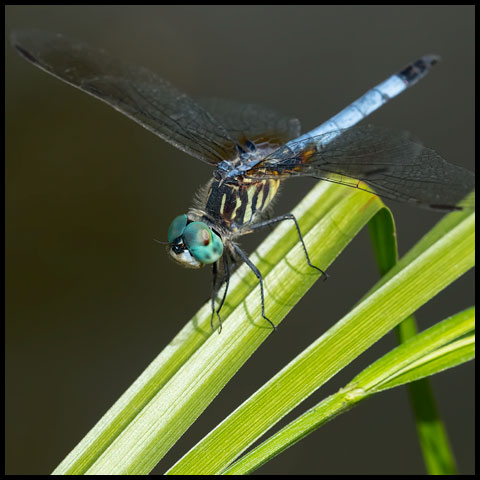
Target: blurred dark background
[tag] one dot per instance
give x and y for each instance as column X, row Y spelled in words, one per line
column 92, row 299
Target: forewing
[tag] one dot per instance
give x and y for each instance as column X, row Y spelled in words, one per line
column 393, row 165
column 134, row 91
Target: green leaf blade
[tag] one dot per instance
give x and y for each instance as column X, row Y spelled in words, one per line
column 415, row 284
column 384, row 373
column 145, row 439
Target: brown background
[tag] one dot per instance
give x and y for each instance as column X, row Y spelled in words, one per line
column 92, row 299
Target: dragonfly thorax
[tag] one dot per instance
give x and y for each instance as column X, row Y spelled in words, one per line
column 234, row 205
column 193, row 244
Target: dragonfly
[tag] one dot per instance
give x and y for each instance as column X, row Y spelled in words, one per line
column 254, row 149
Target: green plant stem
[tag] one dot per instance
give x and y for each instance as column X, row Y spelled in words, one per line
column 436, row 450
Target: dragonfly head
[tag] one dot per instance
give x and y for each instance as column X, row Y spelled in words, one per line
column 193, row 244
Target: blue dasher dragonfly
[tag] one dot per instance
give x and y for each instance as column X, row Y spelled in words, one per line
column 254, row 149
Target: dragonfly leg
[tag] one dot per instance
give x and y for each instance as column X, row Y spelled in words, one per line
column 257, row 273
column 214, row 294
column 281, row 218
column 215, row 289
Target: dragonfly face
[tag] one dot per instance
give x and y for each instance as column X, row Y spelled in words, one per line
column 254, row 148
column 193, row 244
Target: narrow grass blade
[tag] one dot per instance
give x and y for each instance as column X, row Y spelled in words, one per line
column 156, row 410
column 437, row 453
column 445, row 345
column 431, row 271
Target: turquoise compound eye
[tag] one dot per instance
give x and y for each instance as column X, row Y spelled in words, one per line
column 203, row 244
column 176, row 228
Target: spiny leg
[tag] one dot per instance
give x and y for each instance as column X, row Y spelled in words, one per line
column 226, row 278
column 214, row 294
column 281, row 218
column 257, row 273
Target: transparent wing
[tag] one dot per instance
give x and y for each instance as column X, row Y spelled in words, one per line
column 134, row 91
column 393, row 165
column 255, row 123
